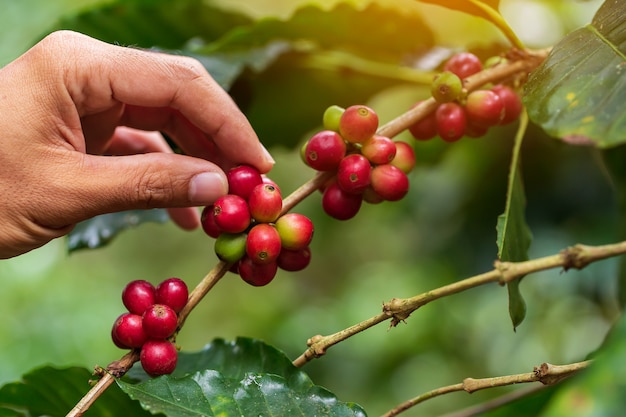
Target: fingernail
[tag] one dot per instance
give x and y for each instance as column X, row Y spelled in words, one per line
column 268, row 155
column 207, row 187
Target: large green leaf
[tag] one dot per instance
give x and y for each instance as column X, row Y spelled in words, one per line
column 245, row 377
column 514, row 235
column 578, row 93
column 54, row 392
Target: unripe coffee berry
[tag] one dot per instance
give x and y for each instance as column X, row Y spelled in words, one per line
column 379, row 149
column 138, row 295
column 405, row 157
column 358, row 123
column 484, row 108
column 231, row 213
column 172, row 292
column 158, row 357
column 230, row 247
column 331, row 117
column 295, row 231
column 446, row 87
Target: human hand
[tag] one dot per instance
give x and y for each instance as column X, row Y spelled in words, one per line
column 78, row 119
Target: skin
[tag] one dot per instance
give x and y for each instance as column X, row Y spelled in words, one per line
column 80, row 121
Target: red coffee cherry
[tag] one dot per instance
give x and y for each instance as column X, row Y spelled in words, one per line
column 128, row 331
column 324, row 150
column 231, row 213
column 294, row 260
column 207, row 220
column 389, row 182
column 379, row 149
column 463, row 64
column 263, row 244
column 513, row 105
column 484, row 108
column 159, row 321
column 451, row 121
column 358, row 123
column 257, row 274
column 138, row 295
column 265, row 203
column 172, row 292
column 405, row 157
column 339, row 204
column 353, row 173
column 158, row 357
column 426, row 128
column 242, row 179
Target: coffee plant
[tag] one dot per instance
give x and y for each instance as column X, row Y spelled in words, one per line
column 400, row 163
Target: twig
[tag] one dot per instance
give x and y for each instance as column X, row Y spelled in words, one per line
column 496, row 402
column 399, row 309
column 545, row 373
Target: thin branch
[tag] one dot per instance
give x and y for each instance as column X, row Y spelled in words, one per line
column 399, row 309
column 545, row 373
column 495, row 403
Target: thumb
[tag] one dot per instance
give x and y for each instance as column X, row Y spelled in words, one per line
column 105, row 184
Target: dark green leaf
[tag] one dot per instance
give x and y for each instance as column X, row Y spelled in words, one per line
column 578, row 93
column 245, row 377
column 99, row 231
column 5, row 412
column 514, row 236
column 54, row 392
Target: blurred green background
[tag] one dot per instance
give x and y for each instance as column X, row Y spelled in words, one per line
column 58, row 308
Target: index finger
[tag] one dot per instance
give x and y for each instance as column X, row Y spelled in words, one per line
column 112, row 74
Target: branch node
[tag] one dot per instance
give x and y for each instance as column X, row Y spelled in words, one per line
column 575, row 257
column 503, row 269
column 397, row 310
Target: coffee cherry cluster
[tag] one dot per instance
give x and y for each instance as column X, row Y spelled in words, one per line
column 459, row 114
column 151, row 319
column 367, row 166
column 250, row 232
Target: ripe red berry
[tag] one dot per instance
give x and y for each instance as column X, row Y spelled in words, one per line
column 242, row 179
column 426, row 128
column 324, row 150
column 484, row 108
column 263, row 244
column 128, row 331
column 268, row 180
column 451, row 121
column 405, row 157
column 295, row 231
column 138, row 295
column 389, row 182
column 294, row 260
column 230, row 247
column 446, row 87
column 265, row 203
column 513, row 105
column 379, row 149
column 358, row 123
column 231, row 213
column 339, row 204
column 463, row 64
column 207, row 220
column 172, row 292
column 353, row 173
column 158, row 357
column 159, row 321
column 257, row 274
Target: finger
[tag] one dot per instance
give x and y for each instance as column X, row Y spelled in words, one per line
column 148, row 79
column 105, row 184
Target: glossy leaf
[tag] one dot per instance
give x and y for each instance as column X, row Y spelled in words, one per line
column 245, row 377
column 99, row 231
column 54, row 392
column 578, row 93
column 514, row 236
